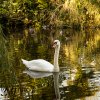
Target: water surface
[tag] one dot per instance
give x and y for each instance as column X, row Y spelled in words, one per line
column 79, row 61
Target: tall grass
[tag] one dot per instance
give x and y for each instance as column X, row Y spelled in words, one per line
column 3, row 50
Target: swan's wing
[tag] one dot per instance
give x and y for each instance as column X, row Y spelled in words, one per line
column 40, row 65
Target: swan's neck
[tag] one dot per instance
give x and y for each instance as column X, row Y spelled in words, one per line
column 56, row 56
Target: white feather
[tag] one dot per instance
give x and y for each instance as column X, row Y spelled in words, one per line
column 39, row 65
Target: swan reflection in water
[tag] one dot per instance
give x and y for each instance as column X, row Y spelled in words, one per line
column 37, row 74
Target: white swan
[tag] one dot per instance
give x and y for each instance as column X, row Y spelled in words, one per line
column 43, row 65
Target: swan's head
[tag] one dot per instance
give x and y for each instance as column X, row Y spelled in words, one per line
column 56, row 44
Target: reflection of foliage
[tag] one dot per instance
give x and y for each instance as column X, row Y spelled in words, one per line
column 37, row 45
column 83, row 48
column 78, row 89
column 12, row 79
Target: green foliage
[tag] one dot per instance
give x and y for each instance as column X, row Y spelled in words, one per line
column 41, row 4
column 3, row 11
column 78, row 14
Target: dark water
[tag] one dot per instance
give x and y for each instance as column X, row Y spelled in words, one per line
column 79, row 61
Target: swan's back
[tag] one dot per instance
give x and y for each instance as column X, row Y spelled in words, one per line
column 39, row 65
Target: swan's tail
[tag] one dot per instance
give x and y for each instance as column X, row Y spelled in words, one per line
column 24, row 61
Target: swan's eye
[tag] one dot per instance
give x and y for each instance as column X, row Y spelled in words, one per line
column 55, row 42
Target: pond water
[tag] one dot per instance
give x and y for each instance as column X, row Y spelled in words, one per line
column 79, row 61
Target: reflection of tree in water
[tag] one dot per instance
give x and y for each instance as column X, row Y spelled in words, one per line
column 38, row 45
column 75, row 89
column 17, row 85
